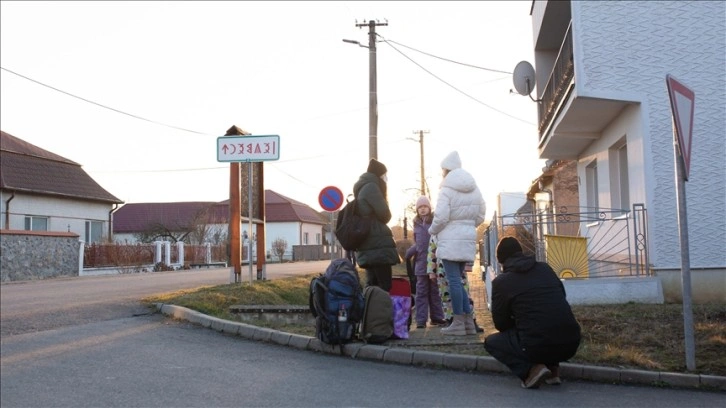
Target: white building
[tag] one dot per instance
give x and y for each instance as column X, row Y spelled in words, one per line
column 42, row 191
column 601, row 71
column 285, row 219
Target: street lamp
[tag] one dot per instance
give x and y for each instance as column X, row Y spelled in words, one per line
column 372, row 87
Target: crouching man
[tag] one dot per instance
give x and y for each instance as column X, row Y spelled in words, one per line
column 537, row 329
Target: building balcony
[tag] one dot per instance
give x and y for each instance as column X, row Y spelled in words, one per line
column 568, row 121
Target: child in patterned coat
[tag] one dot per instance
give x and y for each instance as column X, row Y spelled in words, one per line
column 436, row 267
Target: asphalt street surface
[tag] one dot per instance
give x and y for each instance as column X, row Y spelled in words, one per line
column 88, row 342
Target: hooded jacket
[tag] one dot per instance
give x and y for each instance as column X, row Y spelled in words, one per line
column 379, row 248
column 420, row 248
column 460, row 208
column 529, row 298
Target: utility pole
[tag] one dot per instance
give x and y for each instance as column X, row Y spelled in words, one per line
column 421, row 143
column 372, row 88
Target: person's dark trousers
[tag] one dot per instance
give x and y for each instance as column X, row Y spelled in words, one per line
column 379, row 275
column 552, row 355
column 411, row 275
column 505, row 347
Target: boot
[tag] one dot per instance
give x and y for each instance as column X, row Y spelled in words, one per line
column 469, row 325
column 479, row 329
column 456, row 328
column 554, row 378
column 536, row 375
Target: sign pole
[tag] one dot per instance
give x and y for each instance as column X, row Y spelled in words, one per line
column 332, row 233
column 682, row 101
column 236, row 147
column 249, row 219
column 685, row 259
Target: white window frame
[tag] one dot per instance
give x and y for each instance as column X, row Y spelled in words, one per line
column 593, row 200
column 93, row 231
column 619, row 182
column 32, row 221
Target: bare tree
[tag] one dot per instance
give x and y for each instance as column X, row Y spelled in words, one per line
column 200, row 230
column 195, row 230
column 156, row 231
column 279, row 247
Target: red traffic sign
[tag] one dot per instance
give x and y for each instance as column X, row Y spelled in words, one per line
column 330, row 198
column 682, row 106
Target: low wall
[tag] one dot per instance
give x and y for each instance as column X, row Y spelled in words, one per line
column 27, row 255
column 708, row 285
column 602, row 291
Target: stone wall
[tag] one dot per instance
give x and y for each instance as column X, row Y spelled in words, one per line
column 27, row 255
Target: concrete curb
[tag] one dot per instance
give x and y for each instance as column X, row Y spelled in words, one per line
column 424, row 358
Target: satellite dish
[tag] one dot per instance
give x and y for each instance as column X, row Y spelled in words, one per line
column 523, row 78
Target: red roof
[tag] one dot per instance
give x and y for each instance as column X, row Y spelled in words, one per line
column 28, row 168
column 135, row 217
column 279, row 208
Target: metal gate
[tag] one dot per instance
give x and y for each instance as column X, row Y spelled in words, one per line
column 577, row 244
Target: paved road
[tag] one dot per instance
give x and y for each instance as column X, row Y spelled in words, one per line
column 86, row 342
column 42, row 305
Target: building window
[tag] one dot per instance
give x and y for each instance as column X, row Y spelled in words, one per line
column 94, row 231
column 33, row 223
column 317, row 239
column 620, row 186
column 305, row 238
column 593, row 202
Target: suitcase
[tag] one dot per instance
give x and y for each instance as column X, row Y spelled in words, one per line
column 402, row 303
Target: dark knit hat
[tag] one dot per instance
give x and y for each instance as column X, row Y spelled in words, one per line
column 506, row 248
column 377, row 168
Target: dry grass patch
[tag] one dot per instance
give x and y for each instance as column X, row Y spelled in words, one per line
column 640, row 336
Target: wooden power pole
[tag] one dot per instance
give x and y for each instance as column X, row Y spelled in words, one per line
column 372, row 88
column 421, row 143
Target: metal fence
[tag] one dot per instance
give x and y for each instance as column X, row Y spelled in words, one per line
column 579, row 244
column 108, row 255
column 133, row 255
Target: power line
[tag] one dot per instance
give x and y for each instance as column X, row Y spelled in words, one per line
column 103, row 106
column 453, row 87
column 448, row 60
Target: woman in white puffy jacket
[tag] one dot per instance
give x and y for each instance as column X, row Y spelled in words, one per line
column 460, row 209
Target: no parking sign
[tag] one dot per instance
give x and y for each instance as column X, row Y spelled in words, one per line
column 330, row 198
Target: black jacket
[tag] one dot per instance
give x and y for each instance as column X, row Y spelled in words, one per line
column 379, row 248
column 530, row 298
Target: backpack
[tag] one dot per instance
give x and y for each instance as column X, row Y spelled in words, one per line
column 351, row 228
column 377, row 324
column 336, row 302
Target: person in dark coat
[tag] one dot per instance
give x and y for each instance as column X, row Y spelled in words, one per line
column 378, row 252
column 537, row 329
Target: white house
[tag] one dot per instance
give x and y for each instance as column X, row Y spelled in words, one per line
column 42, row 191
column 285, row 218
column 601, row 71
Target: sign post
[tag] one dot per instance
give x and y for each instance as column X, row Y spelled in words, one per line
column 248, row 149
column 331, row 199
column 682, row 101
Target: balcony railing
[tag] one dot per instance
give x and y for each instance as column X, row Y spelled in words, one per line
column 560, row 77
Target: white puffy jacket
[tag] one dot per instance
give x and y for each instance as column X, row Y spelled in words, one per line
column 460, row 208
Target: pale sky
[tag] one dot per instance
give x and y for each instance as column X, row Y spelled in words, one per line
column 177, row 75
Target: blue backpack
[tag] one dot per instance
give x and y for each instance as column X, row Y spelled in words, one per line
column 336, row 302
